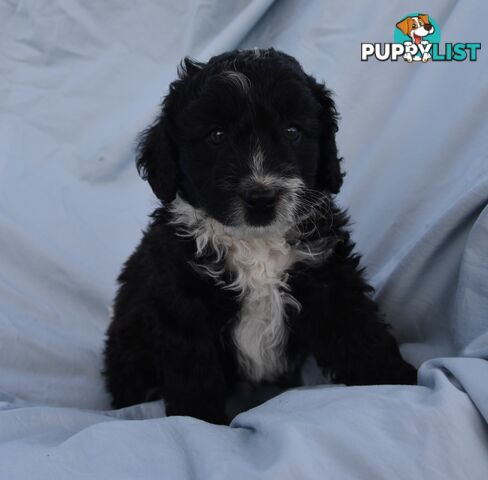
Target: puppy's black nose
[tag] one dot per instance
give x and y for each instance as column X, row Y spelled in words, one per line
column 260, row 197
column 428, row 27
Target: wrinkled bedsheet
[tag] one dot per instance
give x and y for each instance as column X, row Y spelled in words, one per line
column 79, row 80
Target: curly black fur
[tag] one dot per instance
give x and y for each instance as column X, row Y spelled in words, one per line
column 170, row 334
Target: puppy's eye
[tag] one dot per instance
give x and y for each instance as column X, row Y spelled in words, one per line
column 292, row 133
column 216, row 137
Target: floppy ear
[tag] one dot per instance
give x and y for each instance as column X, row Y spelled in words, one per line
column 329, row 175
column 405, row 25
column 156, row 161
column 157, row 155
column 424, row 18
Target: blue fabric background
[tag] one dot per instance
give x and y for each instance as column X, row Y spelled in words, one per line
column 79, row 80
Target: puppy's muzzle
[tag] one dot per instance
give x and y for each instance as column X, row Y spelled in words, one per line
column 260, row 198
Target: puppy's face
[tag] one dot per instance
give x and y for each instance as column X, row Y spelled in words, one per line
column 247, row 137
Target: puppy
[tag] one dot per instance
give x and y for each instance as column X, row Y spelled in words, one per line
column 247, row 267
column 416, row 28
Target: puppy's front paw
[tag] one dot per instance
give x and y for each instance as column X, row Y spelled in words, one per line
column 378, row 371
column 394, row 371
column 401, row 373
column 200, row 411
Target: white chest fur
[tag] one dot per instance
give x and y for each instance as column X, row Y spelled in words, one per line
column 260, row 334
column 259, row 261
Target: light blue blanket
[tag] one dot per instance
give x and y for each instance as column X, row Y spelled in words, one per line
column 79, row 80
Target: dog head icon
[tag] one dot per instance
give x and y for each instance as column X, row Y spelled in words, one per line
column 416, row 27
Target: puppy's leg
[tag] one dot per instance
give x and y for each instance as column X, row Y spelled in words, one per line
column 130, row 372
column 345, row 332
column 365, row 353
column 194, row 382
column 144, row 362
column 356, row 347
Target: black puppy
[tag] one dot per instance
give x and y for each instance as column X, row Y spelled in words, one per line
column 248, row 266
